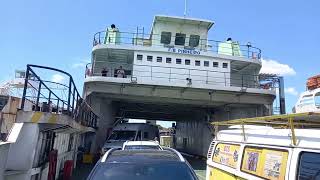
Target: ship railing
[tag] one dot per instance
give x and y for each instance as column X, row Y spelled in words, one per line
column 57, row 95
column 176, row 75
column 231, row 48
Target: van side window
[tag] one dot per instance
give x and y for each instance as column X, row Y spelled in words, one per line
column 145, row 135
column 272, row 161
column 138, row 136
column 309, row 166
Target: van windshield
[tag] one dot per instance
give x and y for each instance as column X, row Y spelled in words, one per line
column 122, row 135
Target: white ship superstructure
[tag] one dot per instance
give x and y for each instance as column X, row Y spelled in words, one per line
column 174, row 73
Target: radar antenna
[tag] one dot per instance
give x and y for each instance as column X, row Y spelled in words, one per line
column 185, row 8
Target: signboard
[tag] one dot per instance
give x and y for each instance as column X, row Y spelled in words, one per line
column 184, row 51
column 266, row 163
column 226, row 154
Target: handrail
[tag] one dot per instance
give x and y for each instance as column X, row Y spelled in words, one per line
column 74, row 105
column 181, row 74
column 154, row 40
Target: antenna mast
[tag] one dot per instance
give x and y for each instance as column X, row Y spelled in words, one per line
column 185, row 8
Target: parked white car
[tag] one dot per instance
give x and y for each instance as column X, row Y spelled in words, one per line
column 136, row 145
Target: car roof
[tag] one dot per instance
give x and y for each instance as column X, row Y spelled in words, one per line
column 149, row 143
column 147, row 156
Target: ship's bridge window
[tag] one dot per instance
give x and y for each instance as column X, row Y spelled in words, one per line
column 206, row 63
column 180, row 39
column 225, row 65
column 139, row 56
column 197, row 63
column 178, row 61
column 215, row 64
column 149, row 58
column 194, row 40
column 159, row 59
column 168, row 60
column 165, row 37
column 187, row 62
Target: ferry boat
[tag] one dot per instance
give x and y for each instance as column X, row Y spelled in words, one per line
column 309, row 101
column 173, row 73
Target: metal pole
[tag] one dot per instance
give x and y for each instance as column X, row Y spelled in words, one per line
column 241, row 80
column 185, row 8
column 74, row 91
column 282, row 96
column 38, row 95
column 170, row 75
column 25, row 88
column 207, row 77
column 69, row 96
column 49, row 99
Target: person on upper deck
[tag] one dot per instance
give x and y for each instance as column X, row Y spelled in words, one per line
column 120, row 72
column 104, row 72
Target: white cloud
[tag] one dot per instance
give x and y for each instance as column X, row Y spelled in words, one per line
column 57, row 78
column 80, row 64
column 274, row 67
column 291, row 91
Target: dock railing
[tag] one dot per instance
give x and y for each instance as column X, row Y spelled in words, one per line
column 232, row 48
column 285, row 121
column 55, row 97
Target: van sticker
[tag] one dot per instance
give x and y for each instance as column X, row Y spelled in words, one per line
column 264, row 162
column 226, row 154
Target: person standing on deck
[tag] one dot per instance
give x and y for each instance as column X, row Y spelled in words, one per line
column 120, row 72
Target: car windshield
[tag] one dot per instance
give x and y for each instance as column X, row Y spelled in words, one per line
column 122, row 135
column 143, row 171
column 135, row 147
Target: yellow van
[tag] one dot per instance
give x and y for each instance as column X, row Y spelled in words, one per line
column 283, row 147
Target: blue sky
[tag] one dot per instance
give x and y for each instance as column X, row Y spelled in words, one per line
column 59, row 33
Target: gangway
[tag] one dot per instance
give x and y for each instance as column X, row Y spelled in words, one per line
column 49, row 127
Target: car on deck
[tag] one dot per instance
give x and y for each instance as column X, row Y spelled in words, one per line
column 146, row 164
column 142, row 145
column 130, row 132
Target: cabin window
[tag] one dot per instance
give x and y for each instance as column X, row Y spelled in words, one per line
column 309, row 166
column 159, row 59
column 149, row 58
column 215, row 64
column 178, row 61
column 194, row 40
column 307, row 100
column 168, row 60
column 165, row 37
column 180, row 39
column 206, row 63
column 187, row 62
column 317, row 99
column 145, row 135
column 139, row 57
column 225, row 65
column 272, row 161
column 197, row 63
